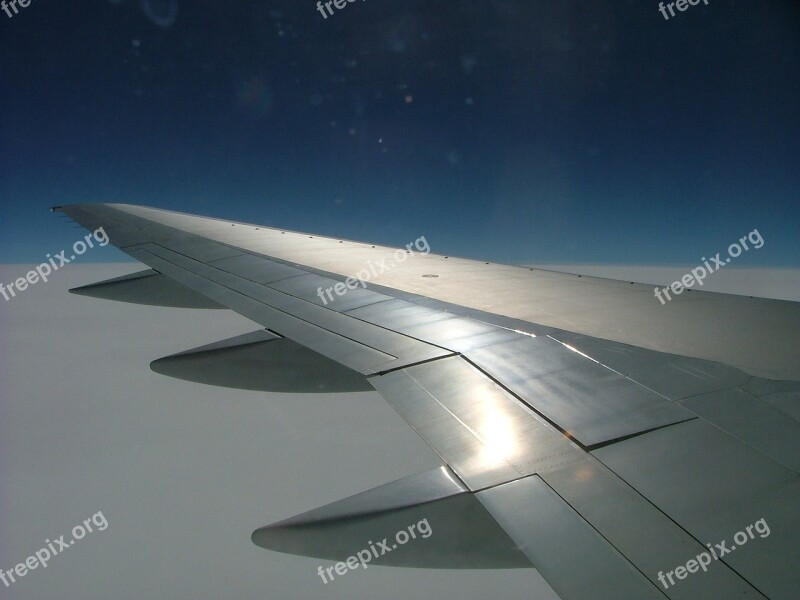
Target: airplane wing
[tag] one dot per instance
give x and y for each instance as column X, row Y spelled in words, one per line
column 624, row 448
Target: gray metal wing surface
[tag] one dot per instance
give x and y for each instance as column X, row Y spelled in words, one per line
column 584, row 429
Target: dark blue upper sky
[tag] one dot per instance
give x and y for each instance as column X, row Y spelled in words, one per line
column 517, row 131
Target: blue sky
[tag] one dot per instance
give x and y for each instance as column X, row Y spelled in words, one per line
column 513, row 131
